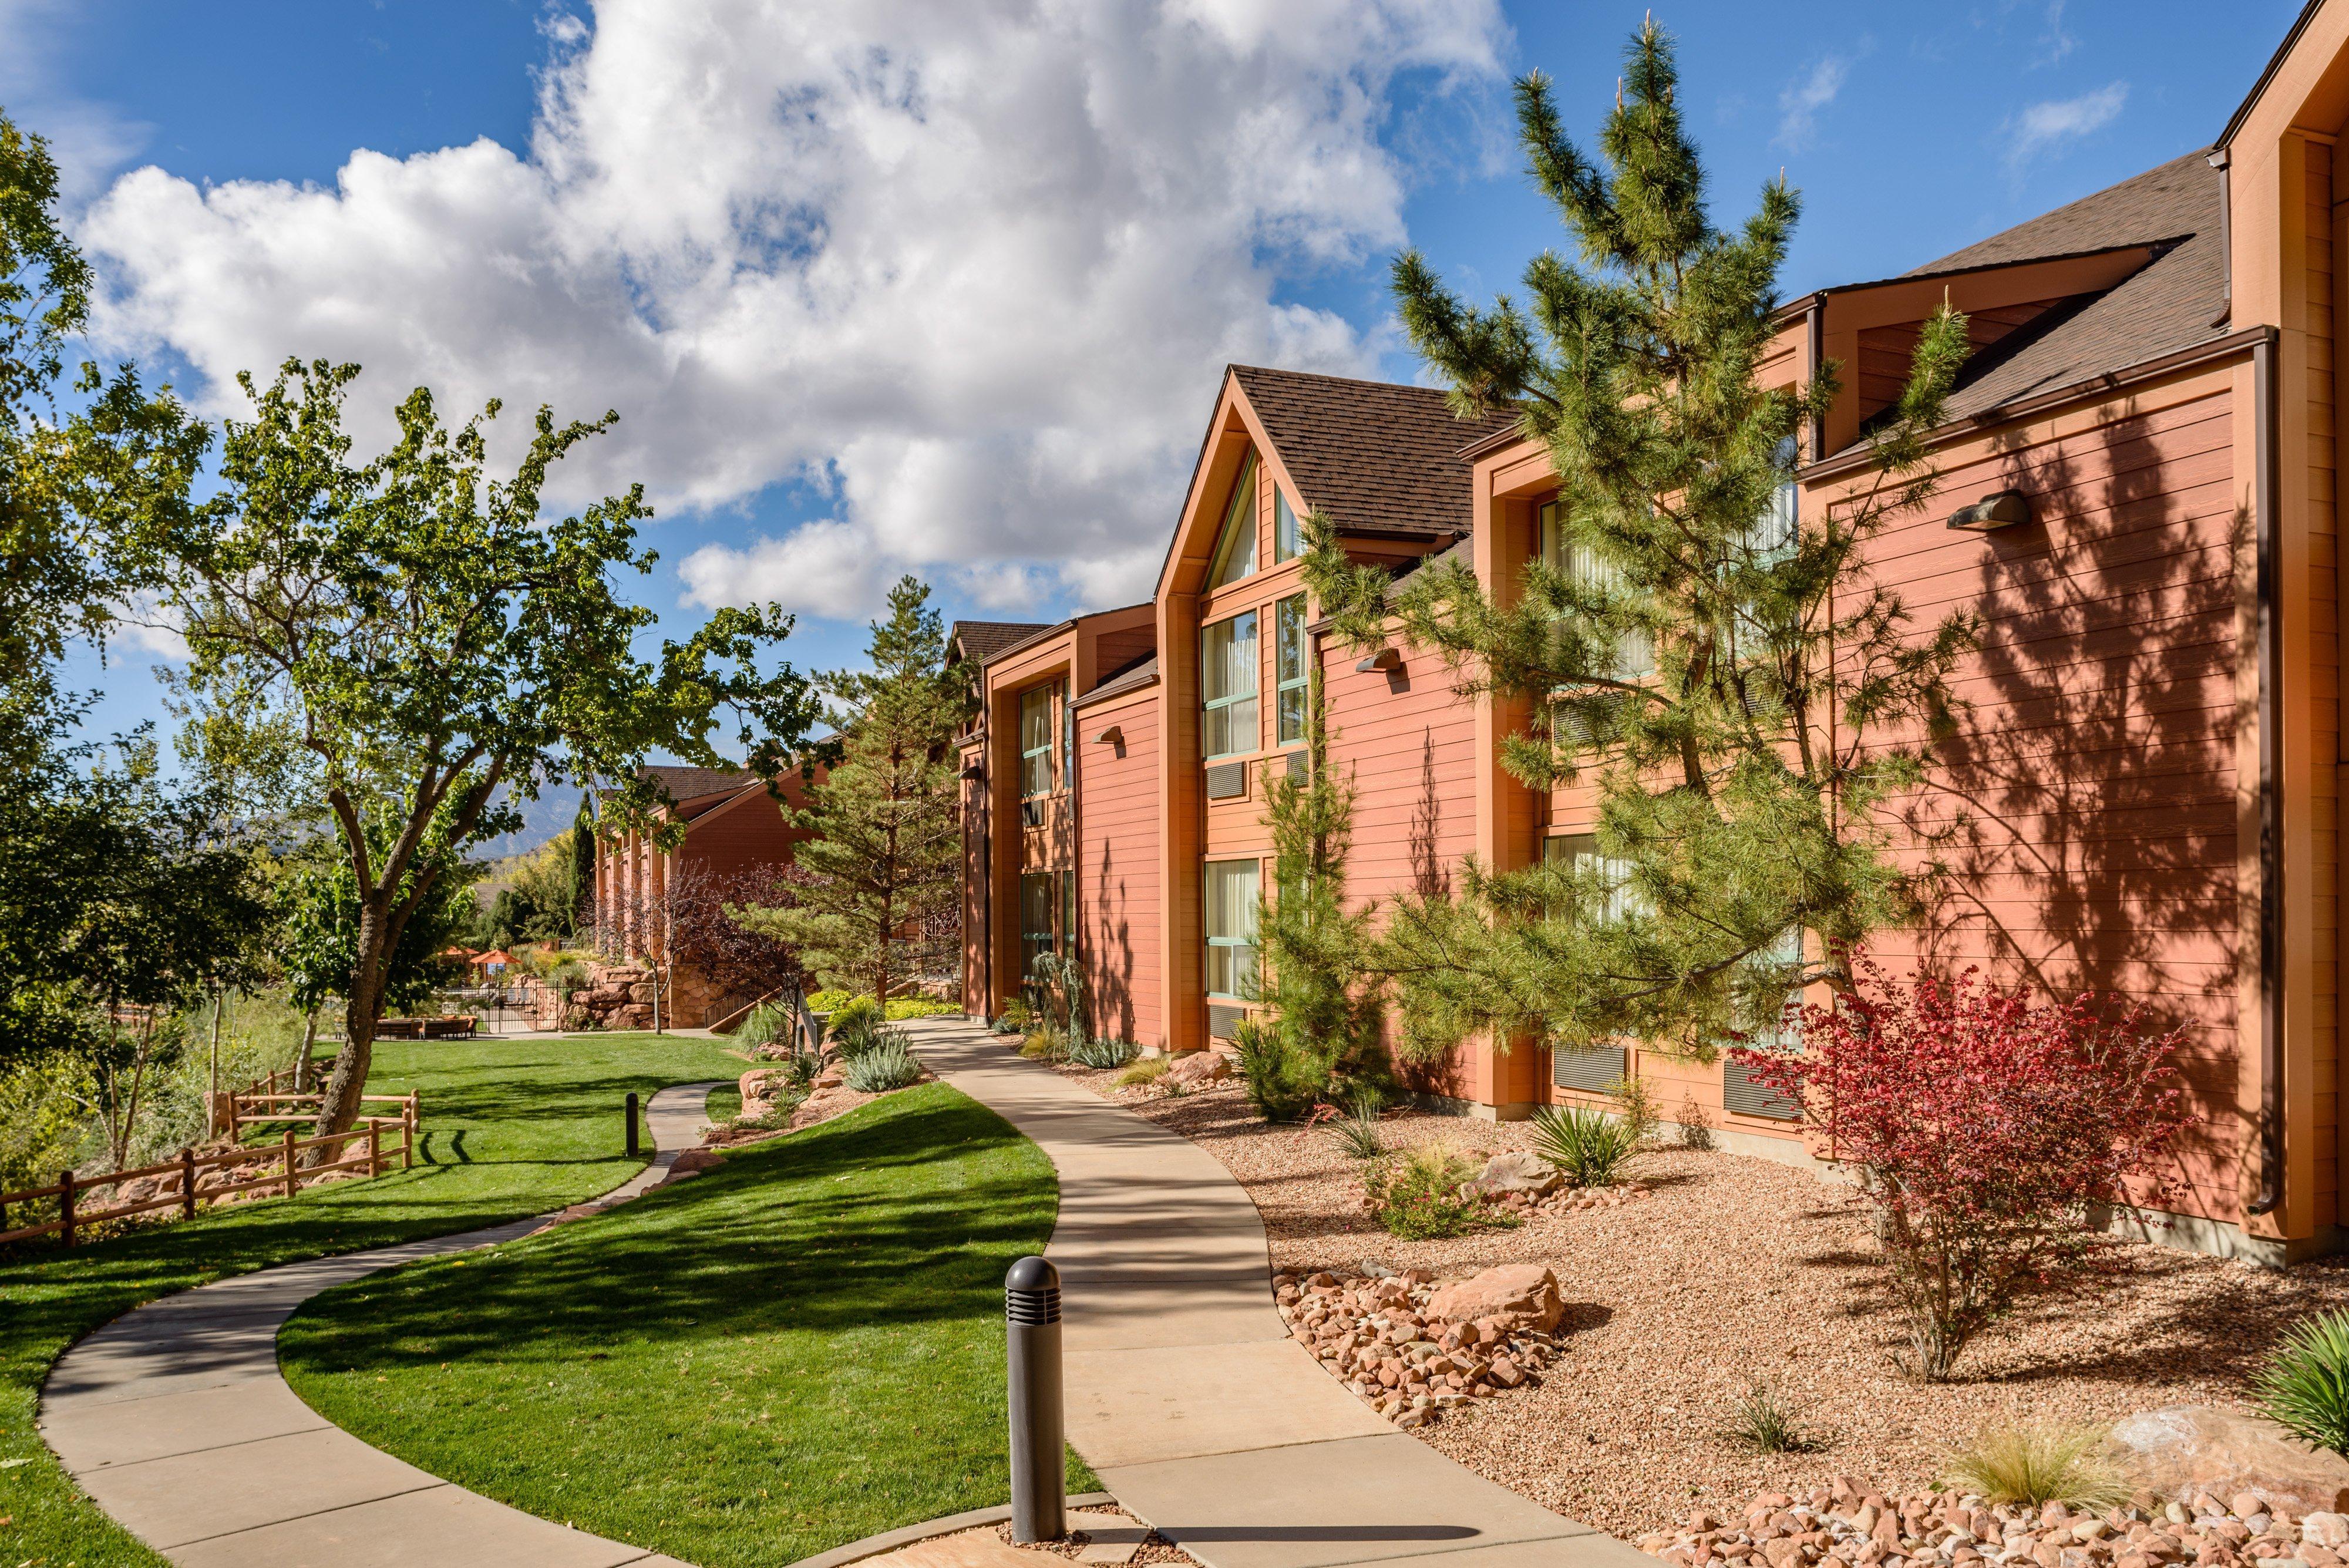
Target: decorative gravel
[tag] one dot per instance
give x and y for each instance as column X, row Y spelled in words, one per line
column 1736, row 1272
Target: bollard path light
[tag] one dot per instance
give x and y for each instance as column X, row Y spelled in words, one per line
column 1031, row 1309
column 632, row 1123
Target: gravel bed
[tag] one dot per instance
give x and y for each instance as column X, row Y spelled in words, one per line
column 1736, row 1272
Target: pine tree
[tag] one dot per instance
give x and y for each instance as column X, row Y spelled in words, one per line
column 1742, row 695
column 1323, row 1035
column 883, row 868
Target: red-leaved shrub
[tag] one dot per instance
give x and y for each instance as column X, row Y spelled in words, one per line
column 1982, row 1128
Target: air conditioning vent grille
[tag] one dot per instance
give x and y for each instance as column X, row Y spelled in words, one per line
column 1747, row 1097
column 1228, row 780
column 1599, row 1069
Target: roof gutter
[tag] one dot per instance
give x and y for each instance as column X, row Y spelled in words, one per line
column 1816, row 330
column 2264, row 497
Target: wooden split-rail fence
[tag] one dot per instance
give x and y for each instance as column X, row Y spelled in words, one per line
column 280, row 1163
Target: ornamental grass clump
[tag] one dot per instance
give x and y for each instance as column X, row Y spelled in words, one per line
column 1982, row 1129
column 1584, row 1144
column 1763, row 1422
column 2304, row 1387
column 2032, row 1464
column 764, row 1024
column 1147, row 1071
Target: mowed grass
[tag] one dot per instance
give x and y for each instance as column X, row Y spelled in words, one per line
column 793, row 1351
column 510, row 1127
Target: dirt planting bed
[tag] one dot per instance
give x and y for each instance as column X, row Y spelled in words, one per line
column 1734, row 1272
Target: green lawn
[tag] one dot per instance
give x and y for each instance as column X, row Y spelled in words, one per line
column 510, row 1127
column 790, row 1352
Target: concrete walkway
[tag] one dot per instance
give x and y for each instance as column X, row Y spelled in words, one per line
column 1185, row 1391
column 173, row 1418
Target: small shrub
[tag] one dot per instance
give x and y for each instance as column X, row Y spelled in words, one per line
column 1637, row 1104
column 854, row 1016
column 1696, row 1127
column 1016, row 1018
column 2304, row 1387
column 1982, row 1128
column 777, row 1118
column 764, row 1024
column 1045, row 1043
column 1416, row 1194
column 801, row 1068
column 1764, row 1423
column 1357, row 1135
column 2033, row 1464
column 1284, row 1082
column 888, row 1064
column 1148, row 1070
column 1582, row 1142
column 1174, row 1089
column 1087, row 1051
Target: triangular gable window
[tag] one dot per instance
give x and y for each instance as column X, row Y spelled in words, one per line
column 1236, row 550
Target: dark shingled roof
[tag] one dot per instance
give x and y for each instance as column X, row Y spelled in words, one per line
column 1369, row 453
column 685, row 784
column 981, row 641
column 2171, row 303
column 1141, row 673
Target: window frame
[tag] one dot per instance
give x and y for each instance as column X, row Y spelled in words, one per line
column 1042, row 884
column 1252, row 696
column 1287, row 528
column 1581, row 566
column 1254, row 869
column 1244, row 499
column 1289, row 618
column 1028, row 753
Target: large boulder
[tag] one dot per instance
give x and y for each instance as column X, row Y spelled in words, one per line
column 2189, row 1448
column 1200, row 1067
column 1517, row 1173
column 1521, row 1295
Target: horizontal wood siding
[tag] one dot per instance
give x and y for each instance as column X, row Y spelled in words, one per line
column 1117, row 869
column 2085, row 811
column 1409, row 744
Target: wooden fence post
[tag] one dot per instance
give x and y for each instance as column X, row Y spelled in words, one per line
column 375, row 1147
column 292, row 1182
column 65, row 1208
column 408, row 1135
column 187, row 1184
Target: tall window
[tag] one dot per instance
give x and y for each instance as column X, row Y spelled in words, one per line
column 1288, row 536
column 1236, row 548
column 1036, row 742
column 1786, row 1034
column 1579, row 852
column 1227, row 685
column 1774, row 534
column 1231, row 894
column 1035, row 921
column 1292, row 688
column 1635, row 656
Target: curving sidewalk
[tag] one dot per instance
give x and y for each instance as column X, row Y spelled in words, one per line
column 173, row 1418
column 1185, row 1391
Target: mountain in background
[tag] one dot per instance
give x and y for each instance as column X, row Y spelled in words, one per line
column 541, row 819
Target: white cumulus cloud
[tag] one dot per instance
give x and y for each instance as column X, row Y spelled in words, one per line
column 2045, row 127
column 970, row 267
column 1802, row 100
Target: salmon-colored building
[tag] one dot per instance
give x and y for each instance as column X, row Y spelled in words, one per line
column 733, row 827
column 2138, row 499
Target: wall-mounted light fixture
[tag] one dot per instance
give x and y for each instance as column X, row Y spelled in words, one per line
column 1112, row 736
column 1384, row 659
column 2004, row 510
column 975, row 771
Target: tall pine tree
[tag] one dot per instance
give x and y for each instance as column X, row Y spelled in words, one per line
column 1741, row 694
column 885, row 866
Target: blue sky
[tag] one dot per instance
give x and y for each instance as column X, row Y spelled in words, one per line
column 892, row 287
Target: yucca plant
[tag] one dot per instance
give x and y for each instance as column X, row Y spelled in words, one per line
column 2304, row 1387
column 1357, row 1135
column 1763, row 1422
column 2035, row 1463
column 888, row 1064
column 1583, row 1144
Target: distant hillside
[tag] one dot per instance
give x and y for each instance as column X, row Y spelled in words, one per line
column 542, row 818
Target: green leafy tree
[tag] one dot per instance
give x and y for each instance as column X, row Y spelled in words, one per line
column 882, row 888
column 409, row 636
column 1743, row 695
column 318, row 908
column 1327, row 1002
column 75, row 483
column 583, row 867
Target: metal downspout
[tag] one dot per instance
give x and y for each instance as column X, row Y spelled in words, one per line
column 2271, row 755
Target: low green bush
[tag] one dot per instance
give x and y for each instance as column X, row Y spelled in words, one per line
column 1416, row 1194
column 1584, row 1144
column 2304, row 1387
column 899, row 1008
column 1283, row 1081
column 856, row 1014
column 888, row 1064
column 1089, row 1051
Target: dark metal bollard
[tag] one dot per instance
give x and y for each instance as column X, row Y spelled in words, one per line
column 1031, row 1306
column 632, row 1123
